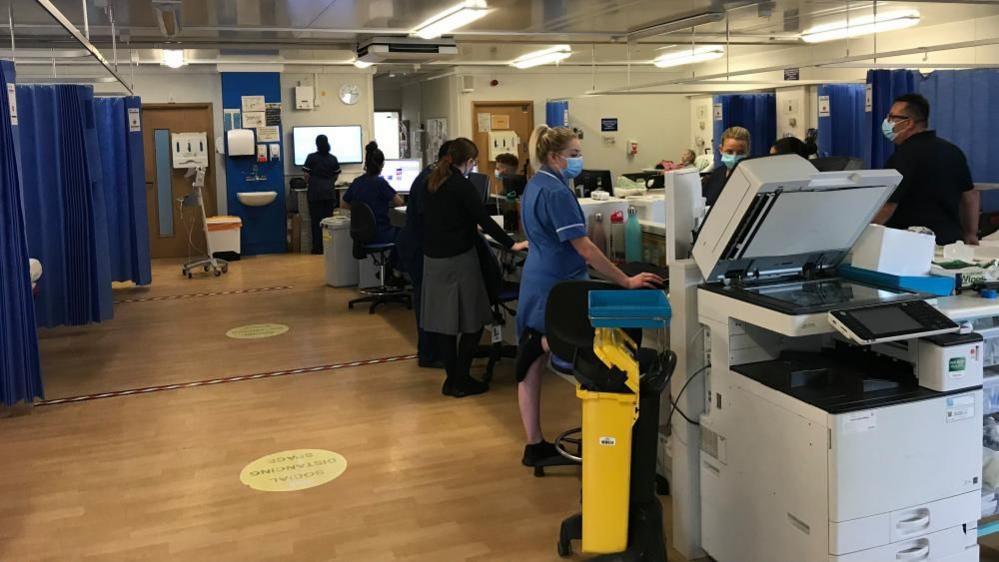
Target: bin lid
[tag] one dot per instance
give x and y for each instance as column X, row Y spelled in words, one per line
column 334, row 222
column 225, row 219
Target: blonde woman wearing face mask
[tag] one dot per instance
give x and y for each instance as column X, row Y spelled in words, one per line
column 560, row 250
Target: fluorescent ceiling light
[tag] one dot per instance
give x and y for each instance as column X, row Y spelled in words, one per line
column 361, row 64
column 550, row 55
column 174, row 58
column 684, row 21
column 689, row 55
column 451, row 19
column 861, row 25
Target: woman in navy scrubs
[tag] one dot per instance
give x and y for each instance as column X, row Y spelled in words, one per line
column 560, row 250
column 372, row 190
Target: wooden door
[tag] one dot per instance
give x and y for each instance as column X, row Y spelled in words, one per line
column 517, row 116
column 170, row 224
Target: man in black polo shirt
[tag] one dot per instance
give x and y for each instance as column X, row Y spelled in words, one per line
column 936, row 190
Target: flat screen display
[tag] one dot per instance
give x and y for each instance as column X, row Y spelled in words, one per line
column 886, row 320
column 345, row 142
column 400, row 174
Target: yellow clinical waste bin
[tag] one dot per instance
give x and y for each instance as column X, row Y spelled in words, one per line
column 608, row 418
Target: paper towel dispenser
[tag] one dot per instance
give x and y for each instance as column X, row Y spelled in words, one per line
column 241, row 142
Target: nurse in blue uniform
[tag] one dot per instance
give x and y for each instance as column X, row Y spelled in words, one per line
column 560, row 250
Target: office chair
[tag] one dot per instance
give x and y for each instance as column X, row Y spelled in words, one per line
column 837, row 163
column 363, row 231
column 501, row 294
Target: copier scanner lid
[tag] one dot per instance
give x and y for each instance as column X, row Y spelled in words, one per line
column 778, row 216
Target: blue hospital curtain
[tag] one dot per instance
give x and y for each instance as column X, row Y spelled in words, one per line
column 846, row 130
column 124, row 184
column 557, row 113
column 886, row 85
column 755, row 112
column 20, row 374
column 64, row 203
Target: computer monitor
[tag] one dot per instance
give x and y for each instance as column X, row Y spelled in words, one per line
column 481, row 183
column 592, row 180
column 345, row 143
column 400, row 174
column 517, row 184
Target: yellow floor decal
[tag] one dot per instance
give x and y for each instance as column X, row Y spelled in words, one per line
column 289, row 471
column 257, row 331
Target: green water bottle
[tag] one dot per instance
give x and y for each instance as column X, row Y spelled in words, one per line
column 633, row 237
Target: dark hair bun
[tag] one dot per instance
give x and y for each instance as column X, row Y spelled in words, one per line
column 371, row 146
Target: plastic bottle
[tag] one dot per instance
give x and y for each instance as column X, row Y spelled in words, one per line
column 616, row 249
column 633, row 237
column 597, row 233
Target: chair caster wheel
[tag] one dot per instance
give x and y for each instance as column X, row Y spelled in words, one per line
column 218, row 273
column 207, row 267
column 564, row 549
column 539, row 471
column 225, row 269
column 190, row 275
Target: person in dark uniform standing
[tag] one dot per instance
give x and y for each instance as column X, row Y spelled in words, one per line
column 936, row 190
column 410, row 246
column 321, row 172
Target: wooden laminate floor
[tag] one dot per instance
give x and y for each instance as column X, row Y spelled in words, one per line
column 156, row 476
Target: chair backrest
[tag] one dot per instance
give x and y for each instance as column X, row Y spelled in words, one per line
column 363, row 228
column 567, row 320
column 837, row 163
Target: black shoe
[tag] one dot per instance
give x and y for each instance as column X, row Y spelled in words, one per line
column 534, row 454
column 463, row 388
column 425, row 364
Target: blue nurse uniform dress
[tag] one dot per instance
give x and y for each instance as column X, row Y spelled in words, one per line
column 551, row 218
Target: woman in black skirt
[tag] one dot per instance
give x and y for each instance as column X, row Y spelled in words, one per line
column 455, row 305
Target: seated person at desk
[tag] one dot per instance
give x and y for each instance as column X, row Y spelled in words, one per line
column 372, row 189
column 734, row 147
column 321, row 171
column 507, row 173
column 560, row 250
column 455, row 304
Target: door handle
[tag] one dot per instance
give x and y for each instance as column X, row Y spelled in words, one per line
column 915, row 553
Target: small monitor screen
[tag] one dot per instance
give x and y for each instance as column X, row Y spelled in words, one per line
column 886, row 320
column 481, row 183
column 345, row 143
column 401, row 174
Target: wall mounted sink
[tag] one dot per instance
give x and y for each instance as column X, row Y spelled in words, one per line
column 257, row 198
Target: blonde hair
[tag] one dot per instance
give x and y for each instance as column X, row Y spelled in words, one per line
column 736, row 133
column 546, row 141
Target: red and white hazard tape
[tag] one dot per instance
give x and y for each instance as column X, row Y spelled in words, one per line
column 223, row 380
column 199, row 295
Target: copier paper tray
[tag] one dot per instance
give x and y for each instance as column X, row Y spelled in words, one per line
column 841, row 380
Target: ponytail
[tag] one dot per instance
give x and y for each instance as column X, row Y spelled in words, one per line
column 546, row 141
column 374, row 159
column 460, row 151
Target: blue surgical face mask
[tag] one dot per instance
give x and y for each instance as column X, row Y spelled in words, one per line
column 730, row 160
column 888, row 129
column 574, row 167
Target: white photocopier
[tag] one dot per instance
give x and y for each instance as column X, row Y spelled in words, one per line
column 838, row 421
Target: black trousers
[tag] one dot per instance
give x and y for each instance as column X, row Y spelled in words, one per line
column 319, row 210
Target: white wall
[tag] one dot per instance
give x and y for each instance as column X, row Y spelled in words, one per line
column 189, row 85
column 794, row 109
column 701, row 124
column 331, row 111
column 657, row 122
